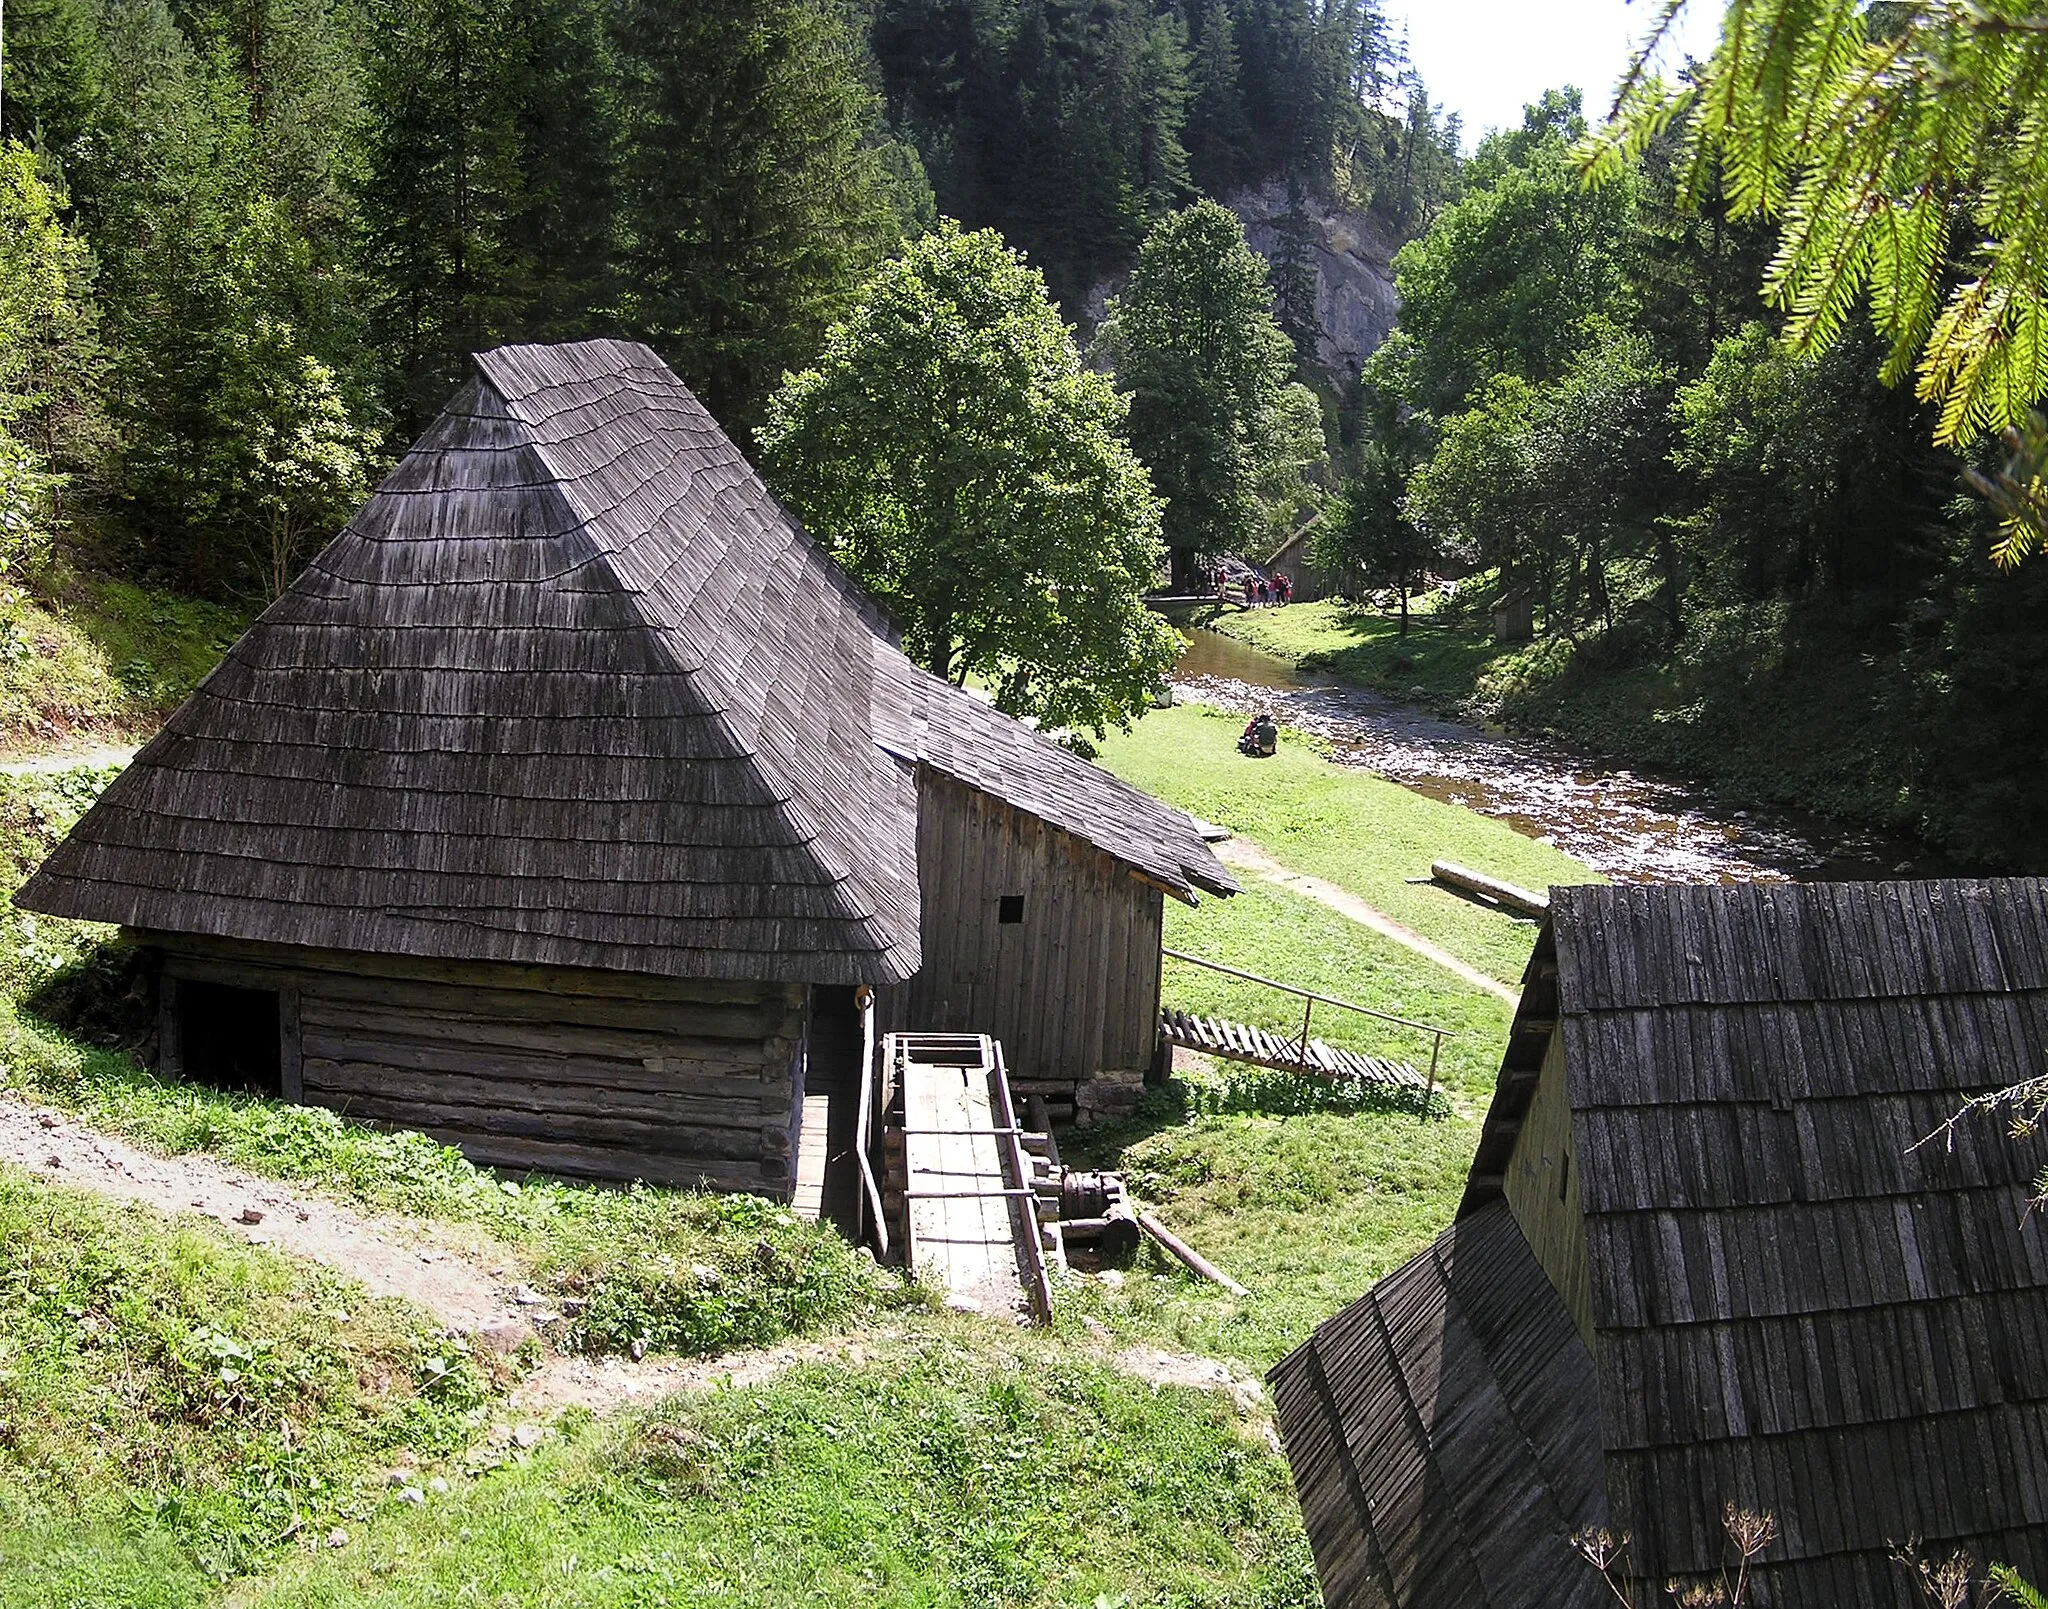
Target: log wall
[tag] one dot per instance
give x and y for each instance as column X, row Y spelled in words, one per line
column 592, row 1074
column 1071, row 990
column 1542, row 1187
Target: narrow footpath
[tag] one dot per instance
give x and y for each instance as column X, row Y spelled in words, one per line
column 1241, row 854
column 472, row 1287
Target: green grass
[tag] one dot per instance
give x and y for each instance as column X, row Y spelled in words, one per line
column 175, row 1404
column 1306, row 1211
column 678, row 1270
column 1280, row 934
column 1341, row 823
column 1445, row 663
column 102, row 659
column 1307, row 1208
column 958, row 1467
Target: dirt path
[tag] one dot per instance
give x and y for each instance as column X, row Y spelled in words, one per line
column 1244, row 855
column 68, row 760
column 387, row 1255
column 469, row 1291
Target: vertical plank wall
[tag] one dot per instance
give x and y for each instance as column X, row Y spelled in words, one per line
column 592, row 1074
column 1072, row 991
column 1542, row 1187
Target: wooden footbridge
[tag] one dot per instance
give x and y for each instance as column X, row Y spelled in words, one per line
column 1239, row 1041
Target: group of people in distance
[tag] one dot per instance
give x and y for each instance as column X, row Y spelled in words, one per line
column 1259, row 591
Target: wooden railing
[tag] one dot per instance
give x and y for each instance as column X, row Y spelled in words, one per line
column 1310, row 1000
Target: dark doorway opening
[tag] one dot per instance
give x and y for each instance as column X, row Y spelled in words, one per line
column 229, row 1037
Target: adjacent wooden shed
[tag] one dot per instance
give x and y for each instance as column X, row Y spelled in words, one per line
column 1702, row 1259
column 556, row 806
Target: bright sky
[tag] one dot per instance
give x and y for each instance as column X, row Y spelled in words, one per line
column 1487, row 59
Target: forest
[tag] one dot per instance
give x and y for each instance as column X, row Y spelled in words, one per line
column 250, row 243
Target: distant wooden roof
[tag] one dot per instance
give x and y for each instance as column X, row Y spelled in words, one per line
column 572, row 688
column 1794, row 1308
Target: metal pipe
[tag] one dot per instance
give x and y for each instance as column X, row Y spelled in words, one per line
column 870, row 1193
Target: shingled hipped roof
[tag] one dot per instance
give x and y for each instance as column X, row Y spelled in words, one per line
column 573, row 689
column 1795, row 1306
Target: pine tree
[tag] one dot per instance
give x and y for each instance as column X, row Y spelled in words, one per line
column 1877, row 138
column 444, row 180
column 1219, row 137
column 751, row 205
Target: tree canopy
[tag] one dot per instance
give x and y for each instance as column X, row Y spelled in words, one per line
column 1195, row 342
column 969, row 472
column 47, row 359
column 1901, row 149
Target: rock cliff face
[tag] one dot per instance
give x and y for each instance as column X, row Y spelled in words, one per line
column 1355, row 301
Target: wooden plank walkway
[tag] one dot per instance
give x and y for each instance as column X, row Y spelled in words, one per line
column 1238, row 1041
column 812, row 1153
column 970, row 1227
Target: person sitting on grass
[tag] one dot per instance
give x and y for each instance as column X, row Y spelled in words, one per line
column 1261, row 737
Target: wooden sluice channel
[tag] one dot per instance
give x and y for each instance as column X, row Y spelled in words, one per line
column 960, row 1179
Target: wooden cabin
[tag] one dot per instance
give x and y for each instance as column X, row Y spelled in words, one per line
column 1291, row 559
column 1703, row 1259
column 560, row 805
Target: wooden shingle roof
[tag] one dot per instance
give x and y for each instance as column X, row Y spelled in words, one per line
column 924, row 720
column 1438, row 1433
column 572, row 689
column 1796, row 1306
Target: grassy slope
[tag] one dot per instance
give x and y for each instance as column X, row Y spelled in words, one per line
column 1343, row 824
column 959, row 1466
column 174, row 1402
column 1810, row 726
column 1308, row 1210
column 103, row 660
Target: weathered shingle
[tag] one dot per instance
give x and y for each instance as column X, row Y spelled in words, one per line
column 571, row 689
column 1809, row 1296
column 1438, row 1434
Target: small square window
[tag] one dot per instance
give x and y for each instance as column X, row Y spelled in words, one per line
column 1010, row 908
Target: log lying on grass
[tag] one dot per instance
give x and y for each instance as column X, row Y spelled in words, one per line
column 1187, row 1254
column 1506, row 895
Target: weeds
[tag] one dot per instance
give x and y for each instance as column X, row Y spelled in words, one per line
column 953, row 1466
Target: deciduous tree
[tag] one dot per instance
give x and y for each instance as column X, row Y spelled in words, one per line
column 1195, row 341
column 969, row 472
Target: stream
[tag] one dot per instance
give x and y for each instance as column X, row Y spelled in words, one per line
column 1630, row 826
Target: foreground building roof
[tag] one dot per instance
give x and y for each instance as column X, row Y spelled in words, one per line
column 1763, row 1283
